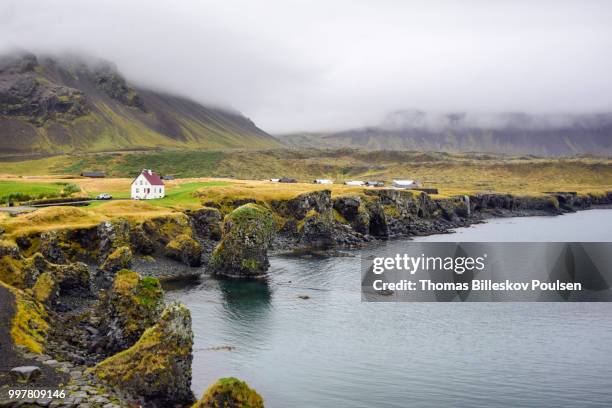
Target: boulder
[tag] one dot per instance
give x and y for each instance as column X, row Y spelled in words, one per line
column 120, row 258
column 25, row 374
column 243, row 250
column 184, row 249
column 230, row 392
column 158, row 366
column 207, row 222
column 131, row 305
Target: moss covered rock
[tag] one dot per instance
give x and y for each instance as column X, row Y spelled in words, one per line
column 243, row 250
column 46, row 289
column 207, row 222
column 184, row 249
column 69, row 277
column 120, row 258
column 158, row 366
column 112, row 235
column 130, row 306
column 354, row 212
column 52, row 247
column 30, row 325
column 162, row 230
column 12, row 272
column 230, row 393
column 317, row 230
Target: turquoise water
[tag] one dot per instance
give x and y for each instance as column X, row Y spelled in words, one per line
column 331, row 350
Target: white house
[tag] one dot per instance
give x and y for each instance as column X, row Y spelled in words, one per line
column 148, row 185
column 323, row 181
column 405, row 183
column 354, row 183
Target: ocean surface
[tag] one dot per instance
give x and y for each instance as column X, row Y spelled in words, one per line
column 332, row 350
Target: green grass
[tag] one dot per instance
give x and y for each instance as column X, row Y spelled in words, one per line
column 23, row 191
column 179, row 196
column 182, row 194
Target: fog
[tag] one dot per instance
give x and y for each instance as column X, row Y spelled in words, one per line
column 299, row 65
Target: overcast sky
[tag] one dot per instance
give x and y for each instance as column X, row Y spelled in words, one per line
column 330, row 64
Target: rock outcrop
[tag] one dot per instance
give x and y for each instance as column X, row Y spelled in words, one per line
column 112, row 235
column 130, row 306
column 184, row 249
column 230, row 392
column 243, row 250
column 70, row 277
column 120, row 258
column 157, row 368
column 207, row 222
column 30, row 325
column 46, row 290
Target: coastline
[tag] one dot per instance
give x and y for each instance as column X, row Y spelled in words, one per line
column 86, row 261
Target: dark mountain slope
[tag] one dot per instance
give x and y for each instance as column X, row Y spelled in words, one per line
column 67, row 105
column 510, row 133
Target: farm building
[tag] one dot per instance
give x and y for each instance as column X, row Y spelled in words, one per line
column 287, row 180
column 148, row 185
column 354, row 183
column 167, row 177
column 405, row 183
column 375, row 183
column 323, row 181
column 93, row 174
column 275, row 180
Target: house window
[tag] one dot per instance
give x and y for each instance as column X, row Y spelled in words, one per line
column 137, row 191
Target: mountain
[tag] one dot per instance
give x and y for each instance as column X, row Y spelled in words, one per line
column 509, row 133
column 68, row 104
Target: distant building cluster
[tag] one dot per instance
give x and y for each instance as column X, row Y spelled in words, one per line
column 400, row 184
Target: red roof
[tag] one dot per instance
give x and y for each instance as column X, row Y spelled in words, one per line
column 152, row 178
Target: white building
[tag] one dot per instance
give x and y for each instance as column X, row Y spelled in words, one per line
column 148, row 185
column 354, row 183
column 323, row 181
column 405, row 183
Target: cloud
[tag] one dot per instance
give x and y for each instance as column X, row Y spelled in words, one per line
column 295, row 65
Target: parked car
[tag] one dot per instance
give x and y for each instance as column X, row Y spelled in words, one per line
column 104, row 196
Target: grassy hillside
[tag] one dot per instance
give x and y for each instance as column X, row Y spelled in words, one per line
column 69, row 105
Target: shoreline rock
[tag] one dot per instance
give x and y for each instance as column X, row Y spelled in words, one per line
column 156, row 370
column 243, row 250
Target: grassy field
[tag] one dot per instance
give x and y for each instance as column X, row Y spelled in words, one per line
column 22, row 190
column 451, row 173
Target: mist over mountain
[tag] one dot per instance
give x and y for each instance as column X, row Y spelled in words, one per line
column 510, row 133
column 51, row 104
